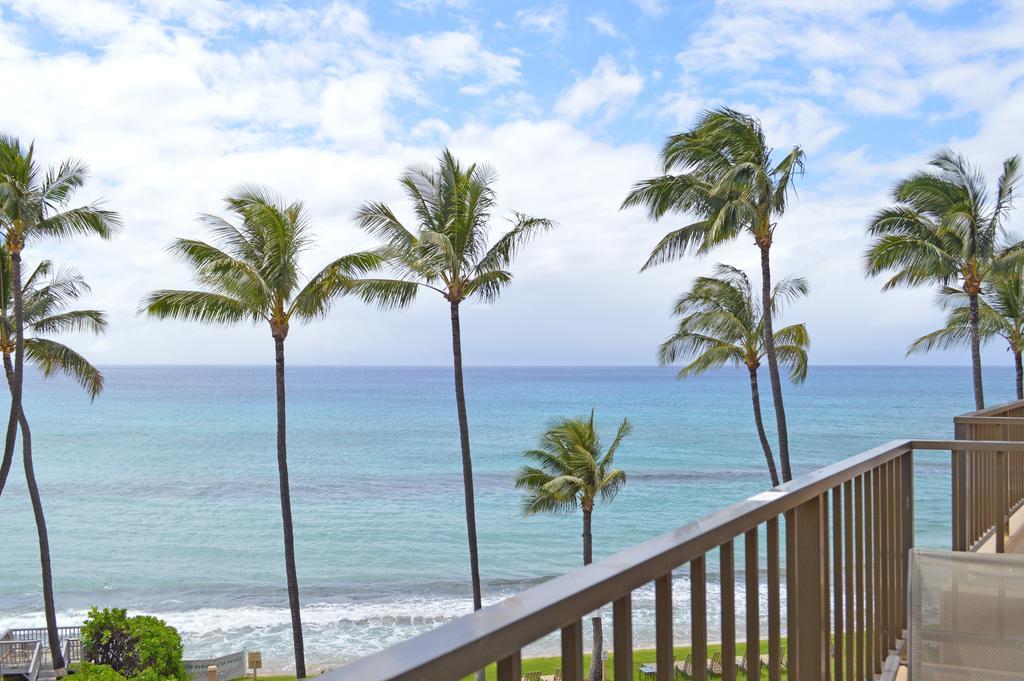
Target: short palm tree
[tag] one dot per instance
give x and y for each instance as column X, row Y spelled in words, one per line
column 252, row 276
column 1000, row 315
column 46, row 295
column 34, row 205
column 723, row 173
column 945, row 230
column 721, row 322
column 448, row 254
column 572, row 470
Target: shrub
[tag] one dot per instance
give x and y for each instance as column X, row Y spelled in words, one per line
column 87, row 671
column 107, row 641
column 143, row 647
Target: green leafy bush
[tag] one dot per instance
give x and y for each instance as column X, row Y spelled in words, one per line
column 143, row 648
column 87, row 671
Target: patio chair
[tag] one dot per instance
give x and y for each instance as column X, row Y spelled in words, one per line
column 684, row 669
column 531, row 676
column 715, row 665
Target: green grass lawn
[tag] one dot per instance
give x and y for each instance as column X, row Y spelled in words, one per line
column 553, row 665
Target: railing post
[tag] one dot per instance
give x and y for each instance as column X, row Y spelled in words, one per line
column 572, row 652
column 809, row 633
column 663, row 627
column 622, row 636
column 959, row 476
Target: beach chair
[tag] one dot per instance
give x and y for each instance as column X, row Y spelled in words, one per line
column 532, row 676
column 743, row 664
column 684, row 669
column 715, row 665
column 782, row 662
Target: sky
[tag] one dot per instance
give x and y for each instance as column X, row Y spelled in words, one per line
column 173, row 103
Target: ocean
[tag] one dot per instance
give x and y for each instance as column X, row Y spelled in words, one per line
column 161, row 496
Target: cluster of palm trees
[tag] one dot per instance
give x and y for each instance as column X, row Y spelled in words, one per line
column 943, row 229
column 34, row 208
column 947, row 229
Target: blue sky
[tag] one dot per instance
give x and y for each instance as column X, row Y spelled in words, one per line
column 174, row 102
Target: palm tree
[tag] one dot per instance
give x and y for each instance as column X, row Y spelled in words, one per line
column 448, row 253
column 946, row 230
column 252, row 275
column 721, row 322
column 723, row 173
column 1000, row 314
column 34, row 206
column 46, row 296
column 571, row 469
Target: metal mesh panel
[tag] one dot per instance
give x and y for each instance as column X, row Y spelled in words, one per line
column 966, row 616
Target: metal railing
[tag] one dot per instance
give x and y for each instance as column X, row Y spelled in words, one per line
column 847, row 527
column 988, row 487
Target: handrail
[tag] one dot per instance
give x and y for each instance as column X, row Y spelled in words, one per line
column 33, row 668
column 499, row 631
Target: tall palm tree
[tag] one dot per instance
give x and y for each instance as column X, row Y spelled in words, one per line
column 945, row 229
column 34, row 206
column 1000, row 314
column 447, row 253
column 46, row 295
column 251, row 275
column 721, row 322
column 571, row 469
column 723, row 173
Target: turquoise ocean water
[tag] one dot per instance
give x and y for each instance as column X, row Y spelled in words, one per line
column 161, row 495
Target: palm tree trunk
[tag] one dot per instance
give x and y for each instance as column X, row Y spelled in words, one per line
column 596, row 666
column 56, row 655
column 286, row 514
column 979, row 391
column 773, row 364
column 755, row 396
column 1020, row 374
column 467, row 463
column 19, row 365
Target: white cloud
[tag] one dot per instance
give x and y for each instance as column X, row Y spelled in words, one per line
column 460, row 54
column 654, row 8
column 552, row 19
column 605, row 88
column 603, row 25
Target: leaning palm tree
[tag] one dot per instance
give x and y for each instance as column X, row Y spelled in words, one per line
column 448, row 254
column 251, row 275
column 723, row 173
column 721, row 322
column 945, row 229
column 34, row 206
column 571, row 469
column 46, row 295
column 1000, row 315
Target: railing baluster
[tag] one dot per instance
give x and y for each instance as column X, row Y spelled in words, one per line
column 895, row 542
column 663, row 627
column 1001, row 502
column 810, row 633
column 850, row 567
column 875, row 573
column 572, row 652
column 792, row 643
column 752, row 573
column 837, row 584
column 510, row 668
column 698, row 619
column 622, row 635
column 774, row 603
column 859, row 550
column 727, row 570
column 907, row 461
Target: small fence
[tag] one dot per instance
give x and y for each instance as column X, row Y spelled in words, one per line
column 230, row 666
